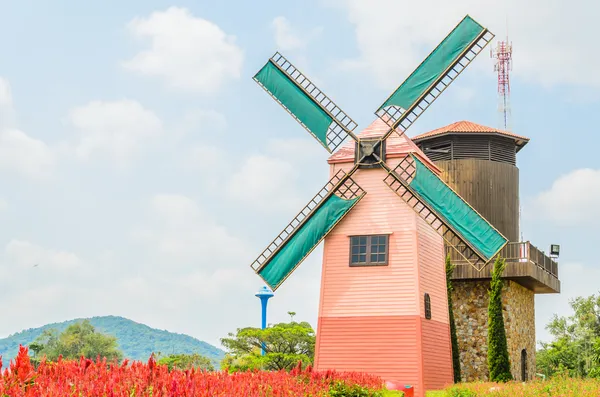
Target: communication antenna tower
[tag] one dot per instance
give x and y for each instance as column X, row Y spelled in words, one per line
column 503, row 65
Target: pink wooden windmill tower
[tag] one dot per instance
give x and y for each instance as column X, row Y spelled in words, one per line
column 384, row 216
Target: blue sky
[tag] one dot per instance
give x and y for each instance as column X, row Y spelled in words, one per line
column 144, row 170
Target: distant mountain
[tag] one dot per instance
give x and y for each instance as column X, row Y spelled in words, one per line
column 137, row 341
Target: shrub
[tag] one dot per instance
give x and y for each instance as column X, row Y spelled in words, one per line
column 453, row 337
column 498, row 359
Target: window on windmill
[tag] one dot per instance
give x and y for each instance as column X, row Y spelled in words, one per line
column 427, row 306
column 369, row 250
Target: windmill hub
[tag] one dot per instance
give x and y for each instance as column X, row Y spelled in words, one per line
column 370, row 153
column 367, row 148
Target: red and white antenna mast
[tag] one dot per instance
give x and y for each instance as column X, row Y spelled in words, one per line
column 503, row 65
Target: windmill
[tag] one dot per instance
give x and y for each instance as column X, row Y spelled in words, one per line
column 421, row 189
column 460, row 225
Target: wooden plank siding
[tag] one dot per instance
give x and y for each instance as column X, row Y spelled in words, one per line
column 432, row 272
column 437, row 354
column 370, row 318
column 492, row 188
column 372, row 290
column 527, row 274
column 381, row 345
column 436, row 343
column 470, row 146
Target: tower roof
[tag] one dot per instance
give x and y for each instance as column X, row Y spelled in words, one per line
column 395, row 146
column 469, row 128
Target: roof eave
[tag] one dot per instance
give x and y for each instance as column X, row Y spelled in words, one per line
column 517, row 139
column 426, row 160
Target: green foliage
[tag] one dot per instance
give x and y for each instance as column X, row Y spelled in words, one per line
column 342, row 389
column 136, row 341
column 392, row 393
column 498, row 359
column 436, row 393
column 458, row 392
column 575, row 348
column 558, row 386
column 453, row 337
column 79, row 339
column 285, row 345
column 187, row 361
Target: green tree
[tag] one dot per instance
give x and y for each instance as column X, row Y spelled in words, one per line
column 292, row 314
column 187, row 361
column 79, row 339
column 498, row 359
column 575, row 348
column 285, row 345
column 453, row 337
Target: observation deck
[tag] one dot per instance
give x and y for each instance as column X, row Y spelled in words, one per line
column 525, row 265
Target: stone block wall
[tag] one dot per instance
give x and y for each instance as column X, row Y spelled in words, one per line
column 470, row 303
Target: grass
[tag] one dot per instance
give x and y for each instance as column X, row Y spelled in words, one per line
column 556, row 386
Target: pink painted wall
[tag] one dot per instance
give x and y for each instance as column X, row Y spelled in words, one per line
column 437, row 354
column 356, row 291
column 436, row 344
column 382, row 345
column 372, row 318
column 432, row 272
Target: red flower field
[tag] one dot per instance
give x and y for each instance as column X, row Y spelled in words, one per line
column 99, row 378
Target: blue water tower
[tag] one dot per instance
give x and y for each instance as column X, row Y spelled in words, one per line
column 264, row 294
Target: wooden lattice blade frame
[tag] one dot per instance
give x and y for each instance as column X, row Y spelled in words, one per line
column 400, row 118
column 340, row 187
column 306, row 103
column 399, row 179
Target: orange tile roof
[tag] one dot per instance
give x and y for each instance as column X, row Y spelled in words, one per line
column 468, row 127
column 395, row 146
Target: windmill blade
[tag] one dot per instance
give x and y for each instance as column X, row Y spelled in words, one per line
column 323, row 212
column 441, row 67
column 322, row 118
column 461, row 226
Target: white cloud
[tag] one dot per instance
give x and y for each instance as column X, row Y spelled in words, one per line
column 285, row 38
column 117, row 128
column 269, row 181
column 187, row 52
column 19, row 152
column 393, row 37
column 25, row 155
column 184, row 233
column 26, row 254
column 5, row 94
column 266, row 183
column 577, row 279
column 3, row 205
column 572, row 199
column 289, row 39
column 7, row 112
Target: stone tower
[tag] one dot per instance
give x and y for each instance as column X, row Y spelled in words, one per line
column 479, row 163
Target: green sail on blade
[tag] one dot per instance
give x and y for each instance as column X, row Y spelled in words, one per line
column 305, row 239
column 301, row 105
column 449, row 206
column 434, row 66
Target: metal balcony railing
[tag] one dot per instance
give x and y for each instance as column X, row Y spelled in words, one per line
column 516, row 252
